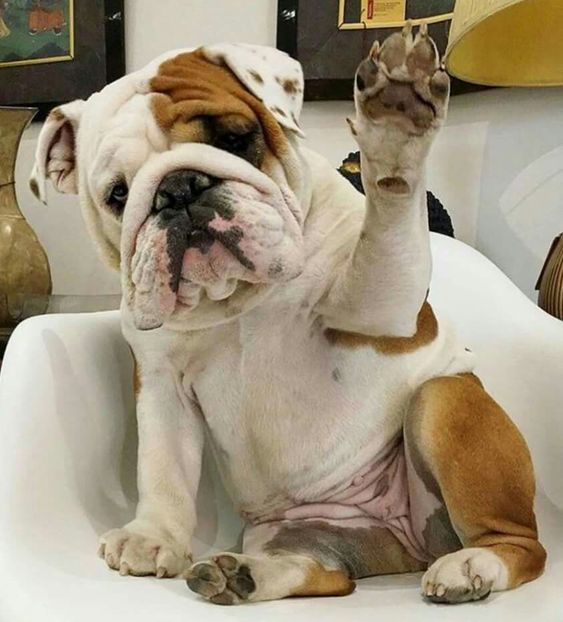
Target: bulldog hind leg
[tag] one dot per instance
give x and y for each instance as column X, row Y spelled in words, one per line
column 299, row 558
column 231, row 579
column 470, row 456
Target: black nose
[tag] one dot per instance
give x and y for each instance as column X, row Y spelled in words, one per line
column 181, row 188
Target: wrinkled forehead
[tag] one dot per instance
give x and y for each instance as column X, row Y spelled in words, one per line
column 118, row 133
column 253, row 81
column 117, row 116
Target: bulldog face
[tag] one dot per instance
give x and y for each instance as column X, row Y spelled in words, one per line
column 188, row 179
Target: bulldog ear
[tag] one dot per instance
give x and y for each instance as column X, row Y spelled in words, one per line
column 55, row 155
column 271, row 75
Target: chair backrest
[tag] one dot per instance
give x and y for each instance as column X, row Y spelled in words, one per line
column 519, row 350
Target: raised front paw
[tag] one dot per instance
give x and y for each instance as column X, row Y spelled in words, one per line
column 403, row 83
column 133, row 553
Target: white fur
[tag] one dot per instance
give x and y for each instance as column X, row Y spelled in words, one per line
column 468, row 573
column 274, row 577
column 256, row 368
column 55, row 156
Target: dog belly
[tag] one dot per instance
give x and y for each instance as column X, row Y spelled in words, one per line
column 296, row 422
column 282, row 452
column 376, row 495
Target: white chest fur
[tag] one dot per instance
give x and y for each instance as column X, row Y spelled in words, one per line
column 291, row 415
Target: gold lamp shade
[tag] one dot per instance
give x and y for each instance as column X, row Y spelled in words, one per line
column 507, row 42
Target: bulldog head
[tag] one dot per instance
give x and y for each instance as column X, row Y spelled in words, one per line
column 189, row 179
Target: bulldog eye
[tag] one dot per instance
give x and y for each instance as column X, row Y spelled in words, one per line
column 118, row 196
column 234, row 142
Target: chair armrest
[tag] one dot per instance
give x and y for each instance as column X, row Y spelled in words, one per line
column 68, row 449
column 519, row 349
column 66, row 469
column 66, row 410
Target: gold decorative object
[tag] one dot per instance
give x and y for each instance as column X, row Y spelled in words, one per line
column 550, row 281
column 507, row 42
column 24, row 267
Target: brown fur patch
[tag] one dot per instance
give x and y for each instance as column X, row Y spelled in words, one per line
column 193, row 131
column 256, row 76
column 291, row 87
column 322, row 582
column 190, row 86
column 279, row 111
column 56, row 115
column 483, row 468
column 426, row 332
column 357, row 551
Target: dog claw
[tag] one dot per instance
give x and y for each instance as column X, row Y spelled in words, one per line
column 160, row 572
column 375, row 49
column 124, row 569
column 407, row 29
column 423, row 30
column 440, row 591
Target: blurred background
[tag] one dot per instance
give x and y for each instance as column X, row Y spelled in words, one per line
column 497, row 166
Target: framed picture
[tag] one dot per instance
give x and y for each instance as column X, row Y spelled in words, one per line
column 54, row 51
column 330, row 38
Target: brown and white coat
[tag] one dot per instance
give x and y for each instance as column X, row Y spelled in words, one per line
column 270, row 305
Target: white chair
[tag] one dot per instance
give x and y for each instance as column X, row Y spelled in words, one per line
column 67, row 467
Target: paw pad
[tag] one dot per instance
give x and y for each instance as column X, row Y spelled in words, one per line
column 222, row 580
column 402, row 82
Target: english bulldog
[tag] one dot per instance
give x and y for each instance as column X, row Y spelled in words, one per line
column 276, row 311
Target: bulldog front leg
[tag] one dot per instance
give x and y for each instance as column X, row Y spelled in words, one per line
column 158, row 541
column 401, row 96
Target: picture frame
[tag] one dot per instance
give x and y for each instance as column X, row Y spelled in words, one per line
column 330, row 42
column 54, row 51
column 30, row 34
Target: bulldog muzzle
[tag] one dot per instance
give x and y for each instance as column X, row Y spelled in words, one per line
column 198, row 220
